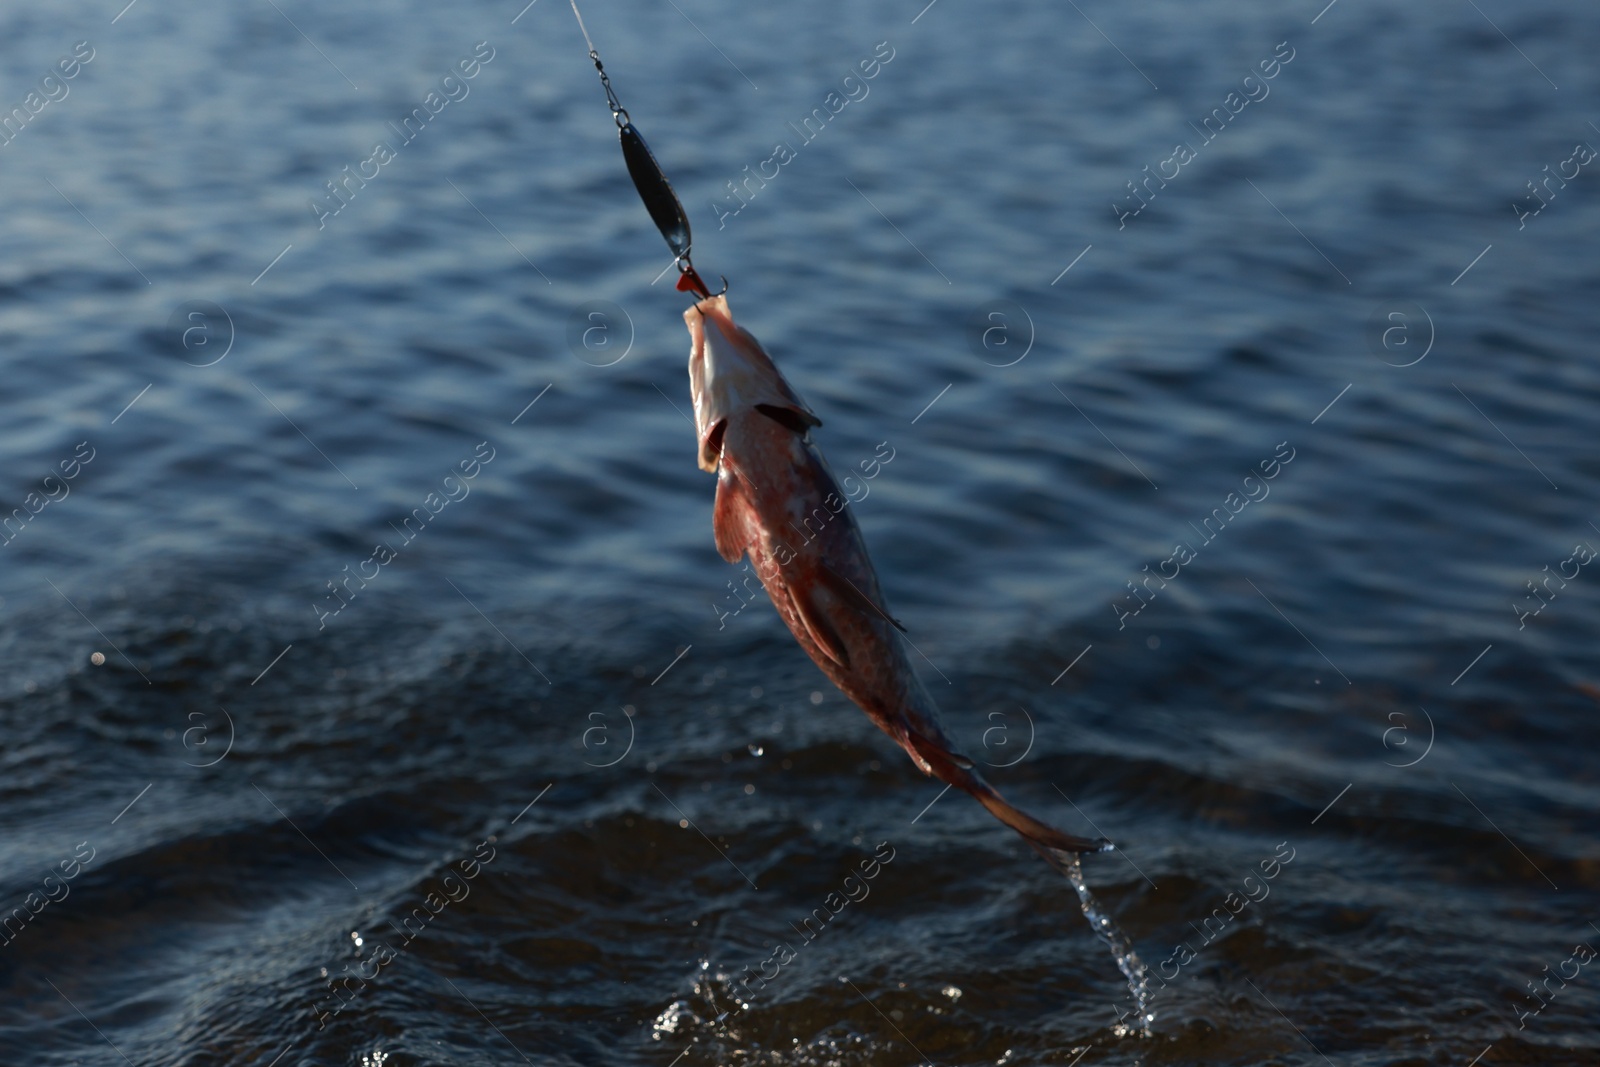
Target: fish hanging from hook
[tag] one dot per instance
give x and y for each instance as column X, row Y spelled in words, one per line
column 754, row 433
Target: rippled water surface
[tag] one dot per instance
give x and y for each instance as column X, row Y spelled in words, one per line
column 546, row 790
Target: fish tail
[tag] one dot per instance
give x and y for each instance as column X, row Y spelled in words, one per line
column 948, row 767
column 1036, row 833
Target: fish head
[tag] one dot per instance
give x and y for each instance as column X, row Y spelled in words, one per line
column 731, row 374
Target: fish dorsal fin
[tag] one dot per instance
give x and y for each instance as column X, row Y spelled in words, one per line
column 851, row 594
column 729, row 517
column 788, row 418
column 814, row 617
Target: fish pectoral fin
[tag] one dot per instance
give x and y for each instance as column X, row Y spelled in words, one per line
column 851, row 594
column 798, row 420
column 815, row 620
column 729, row 522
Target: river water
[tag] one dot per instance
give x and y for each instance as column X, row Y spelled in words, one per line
column 536, row 785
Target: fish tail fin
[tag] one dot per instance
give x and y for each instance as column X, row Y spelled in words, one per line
column 956, row 770
column 1036, row 833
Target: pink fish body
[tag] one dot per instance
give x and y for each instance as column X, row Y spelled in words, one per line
column 778, row 502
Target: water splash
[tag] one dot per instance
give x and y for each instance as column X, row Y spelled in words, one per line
column 1128, row 961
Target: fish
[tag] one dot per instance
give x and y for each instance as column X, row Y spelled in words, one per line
column 778, row 503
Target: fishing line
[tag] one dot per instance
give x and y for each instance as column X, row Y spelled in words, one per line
column 665, row 209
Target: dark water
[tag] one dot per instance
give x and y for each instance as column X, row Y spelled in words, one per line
column 1352, row 773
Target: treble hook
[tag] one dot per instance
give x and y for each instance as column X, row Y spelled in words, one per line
column 689, row 281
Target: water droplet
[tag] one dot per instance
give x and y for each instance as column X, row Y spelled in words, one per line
column 1128, row 961
column 954, row 994
column 816, row 697
column 683, row 824
column 749, row 789
column 755, row 749
column 755, row 692
column 97, row 658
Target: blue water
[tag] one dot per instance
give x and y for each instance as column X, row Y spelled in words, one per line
column 249, row 794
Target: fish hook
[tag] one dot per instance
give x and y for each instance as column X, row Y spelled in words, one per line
column 689, row 282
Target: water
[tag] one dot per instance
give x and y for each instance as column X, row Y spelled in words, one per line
column 1122, row 950
column 1350, row 671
